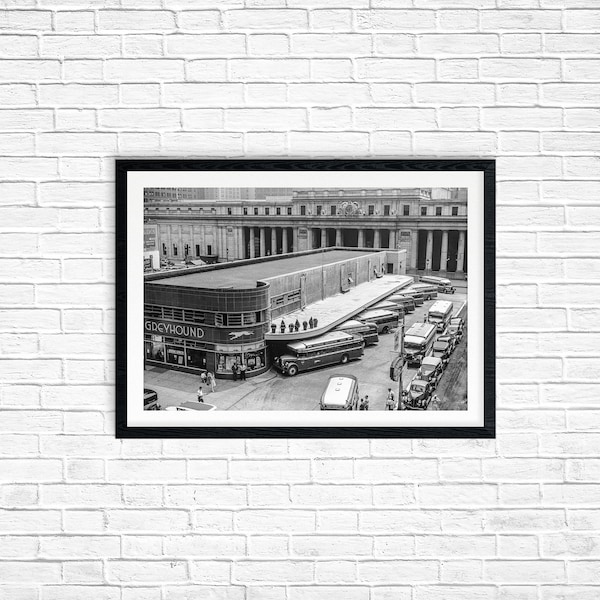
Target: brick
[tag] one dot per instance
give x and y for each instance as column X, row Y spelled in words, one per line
column 147, row 119
column 399, row 20
column 521, row 118
column 146, row 571
column 205, row 44
column 80, row 46
column 272, row 119
column 582, row 20
column 289, row 18
column 565, row 94
column 533, row 20
column 270, row 521
column 32, row 572
column 285, row 571
column 26, row 20
column 146, row 20
column 394, row 118
column 395, row 69
column 454, row 44
column 77, row 95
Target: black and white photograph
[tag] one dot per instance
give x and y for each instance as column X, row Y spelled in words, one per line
column 264, row 303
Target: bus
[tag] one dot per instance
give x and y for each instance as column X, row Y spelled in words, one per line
column 440, row 314
column 386, row 320
column 427, row 291
column 444, row 285
column 406, row 303
column 367, row 330
column 387, row 305
column 418, row 342
column 329, row 349
column 416, row 297
column 341, row 393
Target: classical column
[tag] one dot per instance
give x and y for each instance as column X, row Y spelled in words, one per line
column 444, row 252
column 414, row 251
column 377, row 239
column 323, row 238
column 429, row 253
column 460, row 257
column 273, row 240
column 284, row 240
column 392, row 240
column 252, row 243
column 338, row 237
column 361, row 238
column 295, row 239
column 263, row 246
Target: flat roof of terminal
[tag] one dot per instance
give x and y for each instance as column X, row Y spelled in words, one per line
column 244, row 276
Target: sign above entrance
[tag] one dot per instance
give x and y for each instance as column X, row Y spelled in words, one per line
column 174, row 329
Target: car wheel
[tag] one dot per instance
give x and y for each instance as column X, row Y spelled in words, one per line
column 292, row 370
column 386, row 329
column 345, row 359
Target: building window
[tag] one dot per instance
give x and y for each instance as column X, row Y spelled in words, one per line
column 266, row 211
column 455, row 211
column 174, row 249
column 229, row 210
column 209, row 249
column 371, row 209
column 289, row 210
column 164, row 248
column 423, row 211
column 438, row 211
column 245, row 210
column 333, row 210
column 406, row 210
column 197, row 249
column 255, row 210
column 278, row 209
column 303, row 210
column 386, row 210
column 319, row 210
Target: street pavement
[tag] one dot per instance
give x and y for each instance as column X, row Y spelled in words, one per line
column 274, row 391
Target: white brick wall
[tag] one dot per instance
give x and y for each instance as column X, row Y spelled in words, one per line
column 84, row 515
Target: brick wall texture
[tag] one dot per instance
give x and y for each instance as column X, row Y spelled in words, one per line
column 83, row 515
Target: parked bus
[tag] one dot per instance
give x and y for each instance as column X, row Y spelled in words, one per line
column 440, row 314
column 444, row 285
column 387, row 305
column 417, row 297
column 406, row 303
column 428, row 291
column 384, row 319
column 418, row 342
column 367, row 330
column 341, row 393
column 328, row 349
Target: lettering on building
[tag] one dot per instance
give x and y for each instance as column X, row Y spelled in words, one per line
column 174, row 329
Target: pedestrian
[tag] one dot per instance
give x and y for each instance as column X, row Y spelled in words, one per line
column 297, row 325
column 364, row 403
column 435, row 403
column 200, row 394
column 311, row 323
column 390, row 401
column 291, row 328
column 234, row 370
column 203, row 378
column 243, row 371
column 425, row 318
column 304, row 325
column 316, row 322
column 210, row 378
column 282, row 326
column 273, row 328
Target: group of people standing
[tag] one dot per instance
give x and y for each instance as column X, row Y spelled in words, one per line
column 310, row 324
column 392, row 404
column 239, row 369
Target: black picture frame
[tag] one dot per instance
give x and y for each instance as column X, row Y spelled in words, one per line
column 487, row 169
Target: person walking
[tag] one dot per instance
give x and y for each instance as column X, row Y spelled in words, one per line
column 234, row 370
column 364, row 403
column 243, row 371
column 210, row 378
column 390, row 401
column 200, row 394
column 203, row 378
column 435, row 403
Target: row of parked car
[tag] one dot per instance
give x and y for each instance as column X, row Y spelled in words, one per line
column 420, row 391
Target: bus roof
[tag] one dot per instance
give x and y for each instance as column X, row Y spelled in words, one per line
column 322, row 340
column 441, row 306
column 352, row 324
column 376, row 313
column 420, row 330
column 431, row 278
column 339, row 388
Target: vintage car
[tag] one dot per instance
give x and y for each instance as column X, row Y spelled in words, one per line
column 431, row 370
column 448, row 337
column 417, row 396
column 456, row 327
column 151, row 400
column 443, row 349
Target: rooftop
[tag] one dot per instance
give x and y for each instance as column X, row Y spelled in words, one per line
column 244, row 275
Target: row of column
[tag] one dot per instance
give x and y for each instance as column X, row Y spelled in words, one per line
column 460, row 255
column 262, row 236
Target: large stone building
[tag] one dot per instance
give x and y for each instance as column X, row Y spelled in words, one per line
column 238, row 223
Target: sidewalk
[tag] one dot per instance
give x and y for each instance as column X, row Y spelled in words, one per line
column 175, row 387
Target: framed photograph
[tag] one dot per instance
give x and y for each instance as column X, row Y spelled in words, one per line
column 305, row 298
